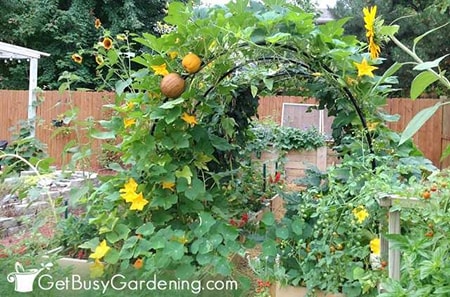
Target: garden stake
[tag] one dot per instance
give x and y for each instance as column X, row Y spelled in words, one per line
column 264, row 178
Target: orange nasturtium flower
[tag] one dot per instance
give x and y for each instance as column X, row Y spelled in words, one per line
column 364, row 68
column 375, row 246
column 360, row 213
column 107, row 43
column 97, row 23
column 190, row 119
column 77, row 58
column 100, row 250
column 160, row 69
column 129, row 122
column 138, row 263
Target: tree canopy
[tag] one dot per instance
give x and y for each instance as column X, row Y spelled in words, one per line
column 64, row 27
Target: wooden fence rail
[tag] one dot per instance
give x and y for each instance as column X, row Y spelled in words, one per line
column 431, row 139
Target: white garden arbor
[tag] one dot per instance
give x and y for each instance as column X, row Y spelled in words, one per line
column 14, row 52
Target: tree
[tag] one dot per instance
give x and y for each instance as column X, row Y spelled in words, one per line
column 64, row 27
column 428, row 14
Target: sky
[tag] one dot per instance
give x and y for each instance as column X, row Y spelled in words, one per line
column 322, row 3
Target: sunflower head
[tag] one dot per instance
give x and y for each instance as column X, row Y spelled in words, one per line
column 97, row 24
column 373, row 27
column 77, row 58
column 107, row 43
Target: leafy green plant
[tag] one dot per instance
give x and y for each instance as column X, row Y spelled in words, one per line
column 25, row 145
column 169, row 206
column 284, row 138
column 424, row 241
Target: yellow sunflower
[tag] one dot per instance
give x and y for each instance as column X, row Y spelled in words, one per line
column 77, row 58
column 370, row 25
column 107, row 43
column 97, row 23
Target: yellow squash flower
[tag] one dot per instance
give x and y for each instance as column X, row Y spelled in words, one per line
column 364, row 68
column 375, row 246
column 96, row 269
column 360, row 213
column 173, row 55
column 190, row 119
column 129, row 187
column 129, row 122
column 160, row 69
column 138, row 202
column 77, row 58
column 100, row 250
column 107, row 43
column 372, row 126
column 168, row 185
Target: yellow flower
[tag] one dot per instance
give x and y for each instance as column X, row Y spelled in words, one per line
column 371, row 126
column 173, row 54
column 99, row 59
column 77, row 58
column 190, row 119
column 121, row 37
column 160, row 69
column 369, row 20
column 96, row 269
column 364, row 68
column 138, row 202
column 129, row 187
column 374, row 49
column 360, row 213
column 130, row 105
column 369, row 24
column 100, row 250
column 98, row 23
column 168, row 185
column 375, row 246
column 107, row 43
column 129, row 122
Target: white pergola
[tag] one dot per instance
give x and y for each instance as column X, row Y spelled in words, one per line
column 14, row 52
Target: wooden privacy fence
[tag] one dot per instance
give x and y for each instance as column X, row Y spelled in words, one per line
column 431, row 138
column 13, row 108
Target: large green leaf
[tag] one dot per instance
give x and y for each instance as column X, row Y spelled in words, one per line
column 421, row 82
column 430, row 64
column 418, row 121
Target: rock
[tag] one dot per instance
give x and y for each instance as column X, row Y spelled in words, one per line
column 9, row 198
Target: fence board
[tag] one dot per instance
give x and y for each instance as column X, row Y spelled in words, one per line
column 13, row 107
column 431, row 138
